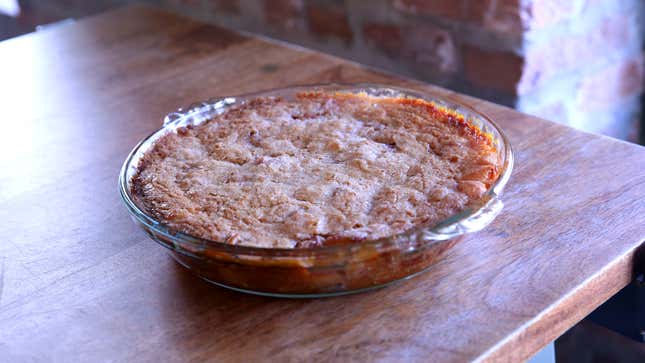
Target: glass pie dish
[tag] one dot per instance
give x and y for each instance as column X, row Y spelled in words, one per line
column 325, row 270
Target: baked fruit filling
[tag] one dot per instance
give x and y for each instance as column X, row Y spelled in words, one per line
column 322, row 169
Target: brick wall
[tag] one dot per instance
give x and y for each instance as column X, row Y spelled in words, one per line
column 578, row 62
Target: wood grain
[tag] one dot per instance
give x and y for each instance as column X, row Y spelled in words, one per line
column 79, row 282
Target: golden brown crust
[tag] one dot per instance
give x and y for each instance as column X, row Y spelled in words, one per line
column 322, row 169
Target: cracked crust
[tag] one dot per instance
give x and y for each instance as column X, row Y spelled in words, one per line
column 318, row 170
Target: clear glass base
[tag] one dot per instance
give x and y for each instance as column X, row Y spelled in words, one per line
column 297, row 296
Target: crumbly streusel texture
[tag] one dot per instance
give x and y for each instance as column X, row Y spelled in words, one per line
column 316, row 170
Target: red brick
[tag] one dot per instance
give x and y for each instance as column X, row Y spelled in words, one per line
column 183, row 2
column 185, row 7
column 283, row 13
column 453, row 9
column 329, row 20
column 500, row 16
column 43, row 12
column 495, row 70
column 424, row 45
column 516, row 16
column 386, row 37
column 634, row 132
column 33, row 17
column 227, row 6
column 432, row 46
column 612, row 85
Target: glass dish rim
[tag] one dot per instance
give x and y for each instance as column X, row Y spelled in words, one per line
column 431, row 232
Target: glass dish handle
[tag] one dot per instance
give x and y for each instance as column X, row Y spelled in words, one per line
column 198, row 112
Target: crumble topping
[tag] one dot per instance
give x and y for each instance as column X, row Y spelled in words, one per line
column 321, row 169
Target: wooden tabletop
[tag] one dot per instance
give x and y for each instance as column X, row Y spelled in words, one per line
column 80, row 282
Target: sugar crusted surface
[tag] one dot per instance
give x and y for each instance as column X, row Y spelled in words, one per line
column 322, row 168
